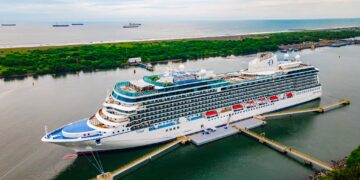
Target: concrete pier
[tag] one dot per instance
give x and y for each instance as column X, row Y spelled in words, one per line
column 142, row 160
column 234, row 128
column 321, row 109
column 224, row 131
column 307, row 159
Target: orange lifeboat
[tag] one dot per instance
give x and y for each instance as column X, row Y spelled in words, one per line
column 237, row 107
column 289, row 95
column 211, row 113
column 274, row 98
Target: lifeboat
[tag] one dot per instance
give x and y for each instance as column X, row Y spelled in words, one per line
column 274, row 98
column 211, row 113
column 237, row 107
column 262, row 101
column 289, row 95
column 250, row 104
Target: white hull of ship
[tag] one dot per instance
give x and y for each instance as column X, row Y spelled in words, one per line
column 145, row 137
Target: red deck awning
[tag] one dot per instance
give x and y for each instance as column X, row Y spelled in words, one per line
column 289, row 95
column 211, row 113
column 237, row 106
column 274, row 98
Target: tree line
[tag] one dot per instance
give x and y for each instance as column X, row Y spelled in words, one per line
column 14, row 62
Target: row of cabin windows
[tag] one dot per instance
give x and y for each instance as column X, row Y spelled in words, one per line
column 172, row 129
column 190, row 110
column 216, row 107
column 174, row 116
column 245, row 89
column 174, row 105
column 192, row 94
column 156, row 97
column 198, row 101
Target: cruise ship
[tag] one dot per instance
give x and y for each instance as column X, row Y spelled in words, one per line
column 162, row 107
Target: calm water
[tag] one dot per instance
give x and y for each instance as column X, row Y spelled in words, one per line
column 25, row 109
column 25, row 34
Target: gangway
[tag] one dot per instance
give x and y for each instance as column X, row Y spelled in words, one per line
column 143, row 159
column 321, row 109
column 309, row 160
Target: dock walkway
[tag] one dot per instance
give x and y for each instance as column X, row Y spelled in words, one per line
column 341, row 102
column 234, row 128
column 143, row 159
column 287, row 150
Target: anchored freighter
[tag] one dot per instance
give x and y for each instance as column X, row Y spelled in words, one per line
column 162, row 107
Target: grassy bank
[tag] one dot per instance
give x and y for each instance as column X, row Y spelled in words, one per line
column 45, row 60
column 351, row 171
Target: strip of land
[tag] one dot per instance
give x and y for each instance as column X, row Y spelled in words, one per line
column 61, row 59
column 348, row 168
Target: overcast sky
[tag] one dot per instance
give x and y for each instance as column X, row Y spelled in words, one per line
column 113, row 10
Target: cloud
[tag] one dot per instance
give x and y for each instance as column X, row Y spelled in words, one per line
column 177, row 9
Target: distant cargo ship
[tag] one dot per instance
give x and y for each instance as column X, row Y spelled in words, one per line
column 135, row 24
column 77, row 24
column 132, row 25
column 60, row 25
column 8, row 24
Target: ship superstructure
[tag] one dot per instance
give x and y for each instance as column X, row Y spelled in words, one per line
column 162, row 107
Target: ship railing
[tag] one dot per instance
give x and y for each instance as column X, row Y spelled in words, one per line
column 115, row 120
column 111, row 100
column 96, row 122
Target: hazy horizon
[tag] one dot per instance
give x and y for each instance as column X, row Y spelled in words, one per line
column 179, row 10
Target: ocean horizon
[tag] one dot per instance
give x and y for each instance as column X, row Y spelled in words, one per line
column 44, row 34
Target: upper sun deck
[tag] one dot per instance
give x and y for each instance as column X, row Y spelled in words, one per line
column 264, row 66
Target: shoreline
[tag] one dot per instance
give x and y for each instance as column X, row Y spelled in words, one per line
column 215, row 37
column 22, row 62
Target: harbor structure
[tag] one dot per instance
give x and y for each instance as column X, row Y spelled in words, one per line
column 221, row 132
column 132, row 25
column 8, row 24
column 60, row 25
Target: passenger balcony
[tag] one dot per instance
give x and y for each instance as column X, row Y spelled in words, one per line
column 110, row 102
column 114, row 122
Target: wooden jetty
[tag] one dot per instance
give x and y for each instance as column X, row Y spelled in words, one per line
column 308, row 160
column 143, row 159
column 321, row 109
column 240, row 126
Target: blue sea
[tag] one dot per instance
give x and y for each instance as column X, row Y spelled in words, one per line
column 43, row 34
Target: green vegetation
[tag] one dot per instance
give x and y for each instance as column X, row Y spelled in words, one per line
column 22, row 61
column 154, row 78
column 350, row 172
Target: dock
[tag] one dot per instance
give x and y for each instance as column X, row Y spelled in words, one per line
column 321, row 109
column 224, row 131
column 307, row 159
column 242, row 126
column 143, row 159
